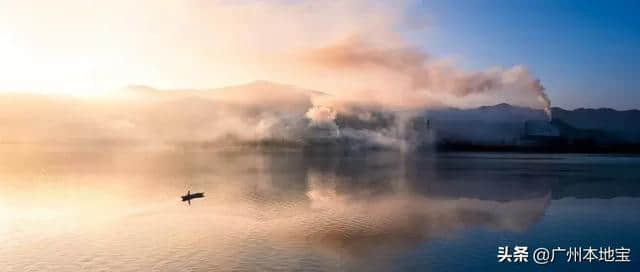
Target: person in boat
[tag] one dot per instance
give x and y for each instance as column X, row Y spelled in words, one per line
column 190, row 196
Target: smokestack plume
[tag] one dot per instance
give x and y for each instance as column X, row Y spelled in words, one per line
column 417, row 76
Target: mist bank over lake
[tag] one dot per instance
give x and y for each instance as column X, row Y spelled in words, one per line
column 274, row 115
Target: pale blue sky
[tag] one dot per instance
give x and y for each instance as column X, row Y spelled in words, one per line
column 585, row 52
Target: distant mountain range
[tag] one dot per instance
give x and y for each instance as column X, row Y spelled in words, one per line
column 503, row 126
column 623, row 125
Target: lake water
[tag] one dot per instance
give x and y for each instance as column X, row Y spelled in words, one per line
column 115, row 209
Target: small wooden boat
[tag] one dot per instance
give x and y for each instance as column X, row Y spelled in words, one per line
column 189, row 196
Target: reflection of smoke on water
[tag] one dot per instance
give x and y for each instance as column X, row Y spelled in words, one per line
column 357, row 224
column 355, row 205
column 361, row 223
column 271, row 209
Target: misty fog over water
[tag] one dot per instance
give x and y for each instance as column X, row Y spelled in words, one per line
column 103, row 209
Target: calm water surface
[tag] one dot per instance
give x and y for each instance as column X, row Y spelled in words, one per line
column 119, row 210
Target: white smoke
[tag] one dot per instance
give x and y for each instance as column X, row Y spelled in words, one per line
column 413, row 79
column 319, row 115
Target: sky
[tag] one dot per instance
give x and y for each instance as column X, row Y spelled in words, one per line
column 583, row 52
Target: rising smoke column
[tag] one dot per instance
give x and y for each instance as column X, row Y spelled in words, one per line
column 323, row 118
column 418, row 73
column 321, row 115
